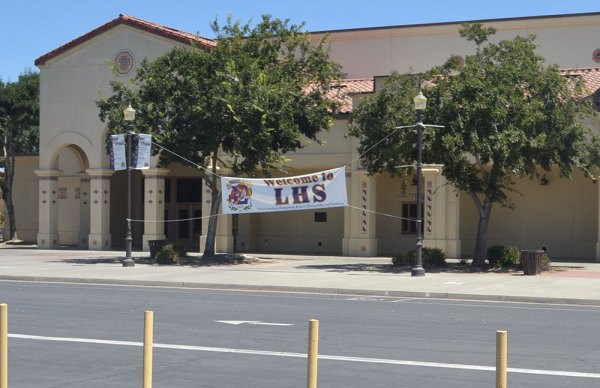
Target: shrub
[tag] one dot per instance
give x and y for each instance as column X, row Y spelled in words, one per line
column 170, row 254
column 431, row 257
column 403, row 259
column 503, row 256
column 546, row 263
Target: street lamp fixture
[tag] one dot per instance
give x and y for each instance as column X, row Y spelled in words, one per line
column 420, row 104
column 129, row 117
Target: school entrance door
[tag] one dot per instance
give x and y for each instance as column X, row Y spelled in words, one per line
column 189, row 228
column 183, row 211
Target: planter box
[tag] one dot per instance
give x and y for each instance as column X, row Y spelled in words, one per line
column 155, row 247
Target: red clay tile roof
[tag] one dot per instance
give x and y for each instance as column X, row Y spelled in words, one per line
column 167, row 32
column 348, row 87
column 591, row 77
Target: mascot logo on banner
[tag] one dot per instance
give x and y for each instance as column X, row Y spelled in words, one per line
column 240, row 195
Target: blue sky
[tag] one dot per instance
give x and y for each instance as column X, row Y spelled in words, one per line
column 29, row 29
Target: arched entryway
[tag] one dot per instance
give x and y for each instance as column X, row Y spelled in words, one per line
column 64, row 195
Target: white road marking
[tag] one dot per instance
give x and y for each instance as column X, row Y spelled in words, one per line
column 457, row 283
column 510, row 305
column 321, row 356
column 255, row 323
column 369, row 299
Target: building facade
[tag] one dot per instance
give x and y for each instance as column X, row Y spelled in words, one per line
column 80, row 201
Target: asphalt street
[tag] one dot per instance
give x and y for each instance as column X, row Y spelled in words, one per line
column 65, row 335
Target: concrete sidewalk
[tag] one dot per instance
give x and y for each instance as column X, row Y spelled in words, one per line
column 570, row 283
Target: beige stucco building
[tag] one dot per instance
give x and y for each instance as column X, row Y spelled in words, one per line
column 70, row 196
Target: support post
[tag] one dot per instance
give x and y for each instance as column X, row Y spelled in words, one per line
column 3, row 345
column 313, row 353
column 418, row 268
column 148, row 347
column 501, row 358
column 128, row 262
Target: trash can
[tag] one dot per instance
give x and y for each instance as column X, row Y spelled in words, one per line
column 155, row 247
column 531, row 261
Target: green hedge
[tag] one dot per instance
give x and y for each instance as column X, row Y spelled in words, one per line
column 431, row 257
column 503, row 256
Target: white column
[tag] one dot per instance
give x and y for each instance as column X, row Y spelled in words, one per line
column 360, row 234
column 99, row 237
column 47, row 237
column 441, row 213
column 154, row 207
column 224, row 241
column 224, row 237
column 245, row 238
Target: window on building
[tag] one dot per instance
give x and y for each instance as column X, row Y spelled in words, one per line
column 167, row 190
column 409, row 218
column 166, row 223
column 183, row 226
column 189, row 190
column 197, row 222
column 320, row 217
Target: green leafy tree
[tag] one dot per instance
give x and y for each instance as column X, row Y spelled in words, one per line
column 506, row 114
column 241, row 104
column 19, row 133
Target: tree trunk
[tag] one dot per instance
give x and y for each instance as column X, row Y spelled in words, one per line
column 482, row 234
column 7, row 186
column 215, row 195
column 10, row 212
column 211, row 233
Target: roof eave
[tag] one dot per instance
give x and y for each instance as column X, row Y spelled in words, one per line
column 152, row 28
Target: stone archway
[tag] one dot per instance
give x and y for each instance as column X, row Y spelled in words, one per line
column 73, row 197
column 64, row 210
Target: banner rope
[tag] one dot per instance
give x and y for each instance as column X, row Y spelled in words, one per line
column 223, row 214
column 220, row 176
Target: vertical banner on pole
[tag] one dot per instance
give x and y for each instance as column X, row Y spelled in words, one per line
column 117, row 152
column 142, row 154
column 3, row 345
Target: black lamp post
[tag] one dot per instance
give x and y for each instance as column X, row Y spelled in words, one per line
column 129, row 116
column 420, row 105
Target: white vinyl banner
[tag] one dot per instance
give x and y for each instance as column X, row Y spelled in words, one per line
column 142, row 159
column 117, row 152
column 313, row 191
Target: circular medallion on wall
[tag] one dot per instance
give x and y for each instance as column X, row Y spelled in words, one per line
column 124, row 62
column 596, row 55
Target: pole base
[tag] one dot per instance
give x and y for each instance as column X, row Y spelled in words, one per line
column 128, row 262
column 418, row 271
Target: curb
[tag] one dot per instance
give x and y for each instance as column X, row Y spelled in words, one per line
column 307, row 290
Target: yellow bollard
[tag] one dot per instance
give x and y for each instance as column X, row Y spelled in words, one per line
column 3, row 345
column 148, row 345
column 313, row 353
column 501, row 358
